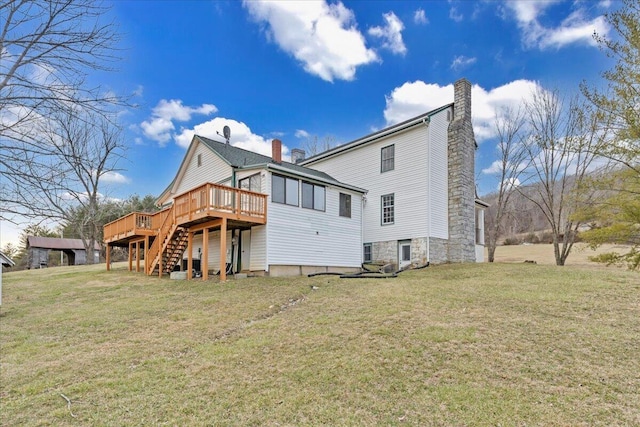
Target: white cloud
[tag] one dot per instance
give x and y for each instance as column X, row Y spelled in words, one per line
column 494, row 168
column 455, row 15
column 323, row 37
column 391, row 34
column 604, row 4
column 301, row 133
column 576, row 28
column 511, row 183
column 160, row 125
column 461, row 61
column 241, row 136
column 414, row 98
column 420, row 17
column 114, row 177
column 138, row 91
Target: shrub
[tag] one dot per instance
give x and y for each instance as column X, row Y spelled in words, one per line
column 546, row 237
column 532, row 238
column 509, row 241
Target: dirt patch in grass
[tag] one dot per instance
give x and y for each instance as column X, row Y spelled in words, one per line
column 502, row 344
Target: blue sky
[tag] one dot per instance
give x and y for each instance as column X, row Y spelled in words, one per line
column 294, row 70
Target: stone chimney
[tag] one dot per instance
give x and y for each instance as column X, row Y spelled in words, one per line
column 276, row 150
column 461, row 163
column 297, row 155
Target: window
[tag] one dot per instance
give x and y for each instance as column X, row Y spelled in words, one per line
column 387, row 156
column 312, row 196
column 251, row 183
column 388, row 209
column 199, row 160
column 345, row 205
column 366, row 255
column 284, row 190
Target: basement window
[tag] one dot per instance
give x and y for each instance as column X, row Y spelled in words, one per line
column 366, row 255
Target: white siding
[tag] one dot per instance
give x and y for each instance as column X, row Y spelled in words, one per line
column 258, row 256
column 299, row 236
column 214, row 248
column 408, row 182
column 213, row 169
column 439, row 178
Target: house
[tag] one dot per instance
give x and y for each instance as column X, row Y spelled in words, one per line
column 38, row 249
column 5, row 261
column 216, row 216
column 403, row 195
column 421, row 204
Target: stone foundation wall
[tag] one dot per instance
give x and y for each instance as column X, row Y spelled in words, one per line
column 386, row 252
column 438, row 249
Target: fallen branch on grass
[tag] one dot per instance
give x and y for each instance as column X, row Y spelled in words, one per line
column 68, row 404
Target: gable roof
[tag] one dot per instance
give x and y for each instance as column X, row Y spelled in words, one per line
column 57, row 243
column 6, row 261
column 239, row 158
column 422, row 118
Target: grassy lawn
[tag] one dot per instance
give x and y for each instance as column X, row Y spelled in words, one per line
column 504, row 344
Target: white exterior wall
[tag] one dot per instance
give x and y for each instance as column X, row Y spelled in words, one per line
column 299, row 236
column 258, row 255
column 213, row 169
column 214, row 248
column 409, row 181
column 439, row 183
column 258, row 251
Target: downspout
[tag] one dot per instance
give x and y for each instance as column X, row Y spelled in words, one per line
column 426, row 121
column 363, row 201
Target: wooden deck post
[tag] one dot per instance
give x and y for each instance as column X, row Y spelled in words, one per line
column 108, row 257
column 223, row 250
column 138, row 256
column 146, row 252
column 189, row 255
column 204, row 262
column 159, row 256
column 130, row 256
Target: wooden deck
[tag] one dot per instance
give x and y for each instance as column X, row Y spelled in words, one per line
column 202, row 204
column 210, row 206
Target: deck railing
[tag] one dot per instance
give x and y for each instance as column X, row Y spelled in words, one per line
column 164, row 222
column 128, row 225
column 213, row 200
column 220, row 200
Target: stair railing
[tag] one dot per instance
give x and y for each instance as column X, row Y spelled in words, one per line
column 164, row 229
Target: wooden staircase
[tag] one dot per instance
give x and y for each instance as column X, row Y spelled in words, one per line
column 175, row 247
column 167, row 248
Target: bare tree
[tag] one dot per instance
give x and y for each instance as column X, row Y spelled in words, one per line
column 561, row 153
column 509, row 126
column 314, row 145
column 48, row 50
column 57, row 174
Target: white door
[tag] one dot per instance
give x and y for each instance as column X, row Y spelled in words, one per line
column 404, row 253
column 245, row 239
